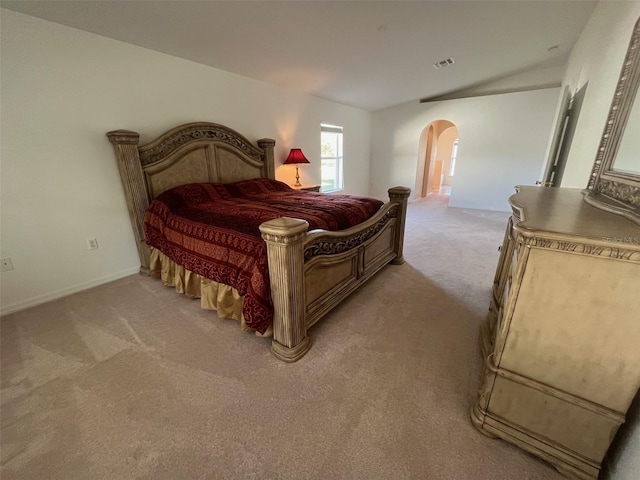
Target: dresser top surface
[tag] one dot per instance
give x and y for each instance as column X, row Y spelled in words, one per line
column 564, row 211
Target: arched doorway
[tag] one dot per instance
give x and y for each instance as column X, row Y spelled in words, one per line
column 437, row 152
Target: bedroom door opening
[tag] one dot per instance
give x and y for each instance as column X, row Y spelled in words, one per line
column 438, row 149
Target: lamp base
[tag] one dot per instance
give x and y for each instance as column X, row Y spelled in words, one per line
column 297, row 184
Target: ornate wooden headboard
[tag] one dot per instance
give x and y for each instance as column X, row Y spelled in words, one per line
column 191, row 153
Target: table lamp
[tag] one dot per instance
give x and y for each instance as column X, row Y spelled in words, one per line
column 296, row 157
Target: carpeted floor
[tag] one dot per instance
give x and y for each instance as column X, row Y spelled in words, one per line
column 133, row 381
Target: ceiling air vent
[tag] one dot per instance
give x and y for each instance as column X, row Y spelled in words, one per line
column 443, row 63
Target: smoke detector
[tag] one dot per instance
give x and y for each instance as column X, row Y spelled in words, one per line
column 444, row 63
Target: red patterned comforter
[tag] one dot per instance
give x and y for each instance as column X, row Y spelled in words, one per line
column 212, row 230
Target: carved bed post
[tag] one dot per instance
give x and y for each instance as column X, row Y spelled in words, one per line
column 125, row 144
column 399, row 195
column 284, row 238
column 267, row 144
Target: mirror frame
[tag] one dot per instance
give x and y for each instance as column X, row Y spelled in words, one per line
column 608, row 189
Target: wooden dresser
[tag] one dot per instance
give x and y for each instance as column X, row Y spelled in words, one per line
column 562, row 340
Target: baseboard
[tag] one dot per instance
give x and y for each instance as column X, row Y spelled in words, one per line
column 48, row 297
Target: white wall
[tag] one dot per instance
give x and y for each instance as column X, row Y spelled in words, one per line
column 597, row 59
column 63, row 89
column 503, row 139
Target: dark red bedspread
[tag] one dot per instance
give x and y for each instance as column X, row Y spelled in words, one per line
column 212, row 230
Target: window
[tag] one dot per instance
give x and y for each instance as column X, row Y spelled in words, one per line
column 331, row 157
column 454, row 154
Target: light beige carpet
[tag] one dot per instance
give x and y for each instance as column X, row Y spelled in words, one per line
column 133, row 381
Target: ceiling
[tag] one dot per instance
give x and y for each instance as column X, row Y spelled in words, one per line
column 368, row 54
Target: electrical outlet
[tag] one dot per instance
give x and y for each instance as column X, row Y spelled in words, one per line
column 92, row 243
column 7, row 264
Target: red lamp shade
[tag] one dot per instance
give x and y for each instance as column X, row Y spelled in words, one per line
column 296, row 157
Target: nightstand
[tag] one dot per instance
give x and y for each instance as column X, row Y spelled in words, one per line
column 310, row 188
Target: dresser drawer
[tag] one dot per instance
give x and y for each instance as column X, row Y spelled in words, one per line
column 576, row 427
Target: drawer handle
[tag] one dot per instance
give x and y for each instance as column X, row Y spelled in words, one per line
column 500, row 248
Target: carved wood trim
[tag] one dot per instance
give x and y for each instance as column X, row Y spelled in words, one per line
column 608, row 189
column 620, row 106
column 620, row 191
column 330, row 246
column 613, row 251
column 175, row 138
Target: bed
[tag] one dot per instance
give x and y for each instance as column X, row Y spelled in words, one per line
column 309, row 271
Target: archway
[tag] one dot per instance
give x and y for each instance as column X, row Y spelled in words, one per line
column 437, row 151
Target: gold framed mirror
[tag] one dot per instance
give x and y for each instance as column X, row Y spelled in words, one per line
column 614, row 184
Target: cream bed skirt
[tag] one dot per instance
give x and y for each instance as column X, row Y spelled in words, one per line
column 213, row 296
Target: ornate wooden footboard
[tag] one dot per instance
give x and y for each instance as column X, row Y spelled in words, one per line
column 310, row 272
